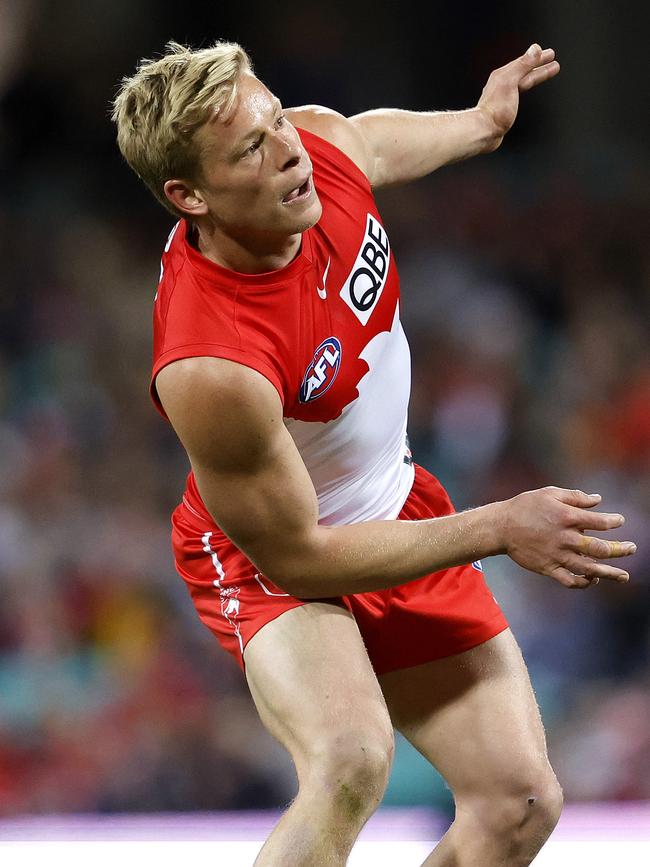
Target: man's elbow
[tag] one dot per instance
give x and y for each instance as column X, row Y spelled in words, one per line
column 301, row 572
column 299, row 581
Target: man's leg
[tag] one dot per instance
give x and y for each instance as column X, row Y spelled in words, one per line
column 316, row 692
column 474, row 716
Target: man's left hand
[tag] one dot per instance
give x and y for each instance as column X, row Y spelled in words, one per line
column 500, row 97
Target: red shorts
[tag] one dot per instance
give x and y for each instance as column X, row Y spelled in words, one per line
column 438, row 615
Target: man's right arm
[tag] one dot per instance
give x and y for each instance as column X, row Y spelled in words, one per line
column 254, row 484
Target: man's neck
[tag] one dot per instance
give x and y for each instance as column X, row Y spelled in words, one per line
column 249, row 256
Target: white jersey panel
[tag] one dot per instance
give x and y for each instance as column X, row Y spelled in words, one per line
column 356, row 462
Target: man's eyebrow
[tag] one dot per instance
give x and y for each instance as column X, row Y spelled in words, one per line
column 254, row 133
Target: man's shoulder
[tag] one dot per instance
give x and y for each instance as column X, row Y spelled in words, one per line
column 334, row 128
column 221, row 409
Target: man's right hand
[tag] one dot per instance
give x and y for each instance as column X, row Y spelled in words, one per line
column 544, row 531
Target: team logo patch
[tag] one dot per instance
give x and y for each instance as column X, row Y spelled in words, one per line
column 322, row 371
column 365, row 283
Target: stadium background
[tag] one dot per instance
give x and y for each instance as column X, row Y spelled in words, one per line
column 526, row 301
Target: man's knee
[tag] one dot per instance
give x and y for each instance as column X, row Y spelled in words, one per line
column 533, row 809
column 351, row 767
column 521, row 814
column 549, row 803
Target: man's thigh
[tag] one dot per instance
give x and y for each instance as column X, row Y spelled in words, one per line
column 313, row 684
column 474, row 716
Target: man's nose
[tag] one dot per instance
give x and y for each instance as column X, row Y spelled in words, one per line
column 290, row 151
column 290, row 163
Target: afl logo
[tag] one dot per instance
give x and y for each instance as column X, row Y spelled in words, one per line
column 322, row 371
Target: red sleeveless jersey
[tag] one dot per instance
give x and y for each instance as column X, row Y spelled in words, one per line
column 324, row 330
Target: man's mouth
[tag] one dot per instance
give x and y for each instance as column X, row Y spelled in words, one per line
column 299, row 194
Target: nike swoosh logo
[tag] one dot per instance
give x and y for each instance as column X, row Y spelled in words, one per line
column 322, row 293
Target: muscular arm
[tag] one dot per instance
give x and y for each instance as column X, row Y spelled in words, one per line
column 257, row 489
column 393, row 146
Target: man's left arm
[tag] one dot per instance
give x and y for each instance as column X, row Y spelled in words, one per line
column 405, row 145
column 393, row 146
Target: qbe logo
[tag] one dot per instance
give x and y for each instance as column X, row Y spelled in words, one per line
column 362, row 290
column 322, row 371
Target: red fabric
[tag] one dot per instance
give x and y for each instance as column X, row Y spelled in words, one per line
column 274, row 322
column 435, row 616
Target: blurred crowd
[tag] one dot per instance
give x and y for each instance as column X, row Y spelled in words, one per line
column 526, row 300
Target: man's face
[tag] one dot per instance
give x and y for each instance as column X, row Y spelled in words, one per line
column 257, row 176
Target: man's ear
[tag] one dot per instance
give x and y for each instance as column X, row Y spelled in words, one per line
column 185, row 198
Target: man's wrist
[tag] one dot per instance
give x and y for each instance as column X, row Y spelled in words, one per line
column 493, row 529
column 491, row 134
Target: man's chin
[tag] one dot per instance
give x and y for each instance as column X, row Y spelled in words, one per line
column 309, row 216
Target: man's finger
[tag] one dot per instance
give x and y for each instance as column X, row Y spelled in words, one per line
column 542, row 57
column 539, row 75
column 576, row 497
column 533, row 52
column 586, row 567
column 605, row 549
column 523, row 64
column 595, row 520
column 568, row 579
column 547, row 55
column 533, row 57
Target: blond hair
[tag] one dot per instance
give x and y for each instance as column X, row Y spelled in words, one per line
column 159, row 109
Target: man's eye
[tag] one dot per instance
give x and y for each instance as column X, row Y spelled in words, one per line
column 251, row 150
column 280, row 120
